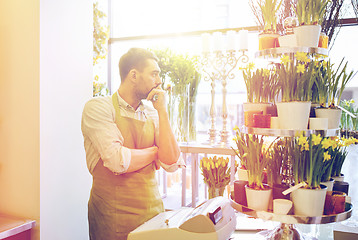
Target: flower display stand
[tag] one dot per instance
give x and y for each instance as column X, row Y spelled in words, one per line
column 287, row 228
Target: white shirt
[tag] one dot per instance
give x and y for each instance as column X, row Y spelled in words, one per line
column 102, row 138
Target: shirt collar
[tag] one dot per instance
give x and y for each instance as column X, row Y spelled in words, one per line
column 127, row 106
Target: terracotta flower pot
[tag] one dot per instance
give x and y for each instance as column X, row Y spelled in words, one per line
column 268, row 40
column 262, row 120
column 249, row 118
column 335, row 202
column 240, row 192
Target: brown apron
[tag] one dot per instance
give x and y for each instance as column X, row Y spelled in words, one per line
column 120, row 203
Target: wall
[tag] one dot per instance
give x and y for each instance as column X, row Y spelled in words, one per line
column 45, row 79
column 65, row 85
column 19, row 109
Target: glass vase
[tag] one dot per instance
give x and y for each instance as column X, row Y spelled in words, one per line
column 215, row 191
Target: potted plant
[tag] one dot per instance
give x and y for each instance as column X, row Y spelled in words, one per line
column 295, row 81
column 216, row 173
column 331, row 86
column 240, row 153
column 261, row 91
column 349, row 122
column 309, row 155
column 275, row 169
column 339, row 153
column 310, row 15
column 266, row 14
column 258, row 194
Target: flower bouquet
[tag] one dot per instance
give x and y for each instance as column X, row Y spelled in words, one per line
column 216, row 172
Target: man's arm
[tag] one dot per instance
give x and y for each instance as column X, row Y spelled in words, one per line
column 142, row 157
column 168, row 149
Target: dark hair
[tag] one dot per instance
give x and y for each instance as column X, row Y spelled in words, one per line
column 134, row 58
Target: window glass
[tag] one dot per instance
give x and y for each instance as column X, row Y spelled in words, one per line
column 142, row 17
column 345, row 47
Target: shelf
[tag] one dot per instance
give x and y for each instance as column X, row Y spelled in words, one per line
column 289, row 132
column 294, row 219
column 274, row 52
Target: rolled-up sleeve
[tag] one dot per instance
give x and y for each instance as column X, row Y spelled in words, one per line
column 102, row 138
column 180, row 163
column 173, row 167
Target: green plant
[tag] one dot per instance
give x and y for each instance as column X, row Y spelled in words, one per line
column 309, row 155
column 310, row 11
column 324, row 72
column 261, row 85
column 278, row 157
column 252, row 152
column 265, row 12
column 348, row 122
column 180, row 73
column 100, row 38
column 339, row 153
column 337, row 84
column 296, row 77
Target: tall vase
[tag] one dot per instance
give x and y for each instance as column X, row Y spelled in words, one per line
column 215, row 191
column 192, row 120
column 180, row 112
column 293, row 115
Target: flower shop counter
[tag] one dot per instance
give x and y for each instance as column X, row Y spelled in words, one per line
column 12, row 228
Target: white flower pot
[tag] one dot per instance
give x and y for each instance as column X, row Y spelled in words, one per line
column 307, row 35
column 293, row 115
column 289, row 40
column 256, row 107
column 242, row 174
column 329, row 184
column 275, row 123
column 309, row 202
column 339, row 179
column 333, row 115
column 318, row 123
column 258, row 199
column 281, row 206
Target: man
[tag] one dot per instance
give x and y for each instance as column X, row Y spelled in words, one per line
column 125, row 142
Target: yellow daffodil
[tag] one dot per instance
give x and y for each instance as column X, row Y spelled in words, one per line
column 302, row 140
column 326, row 156
column 307, row 147
column 316, row 139
column 285, row 59
column 251, row 66
column 326, row 143
column 300, row 68
column 302, row 57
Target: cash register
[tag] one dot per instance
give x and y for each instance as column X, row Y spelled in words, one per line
column 213, row 220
